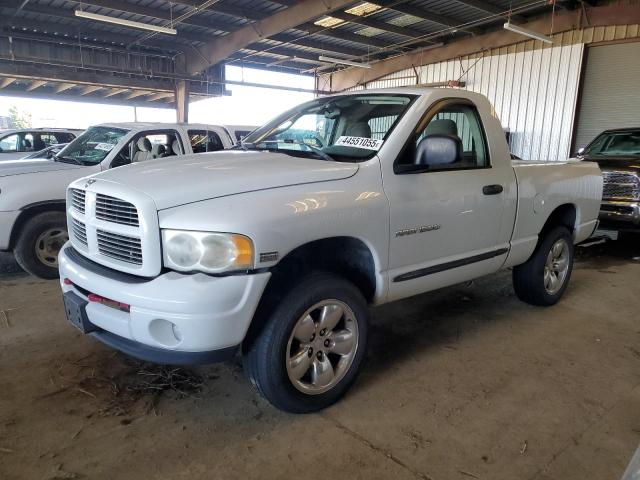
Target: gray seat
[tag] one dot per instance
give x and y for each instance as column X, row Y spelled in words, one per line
column 358, row 129
column 175, row 147
column 144, row 150
column 442, row 126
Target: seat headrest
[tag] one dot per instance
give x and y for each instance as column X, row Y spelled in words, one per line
column 442, row 126
column 358, row 129
column 161, row 150
column 144, row 144
column 175, row 146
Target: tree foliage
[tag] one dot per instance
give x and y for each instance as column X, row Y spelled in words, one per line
column 19, row 119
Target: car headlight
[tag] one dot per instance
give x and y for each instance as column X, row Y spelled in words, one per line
column 207, row 252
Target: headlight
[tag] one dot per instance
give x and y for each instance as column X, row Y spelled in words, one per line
column 207, row 252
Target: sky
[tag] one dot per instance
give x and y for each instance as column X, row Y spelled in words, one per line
column 246, row 105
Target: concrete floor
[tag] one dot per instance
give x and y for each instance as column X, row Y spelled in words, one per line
column 461, row 383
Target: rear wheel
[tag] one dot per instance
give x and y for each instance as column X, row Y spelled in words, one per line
column 312, row 346
column 543, row 279
column 39, row 242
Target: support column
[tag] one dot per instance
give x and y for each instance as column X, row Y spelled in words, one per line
column 182, row 101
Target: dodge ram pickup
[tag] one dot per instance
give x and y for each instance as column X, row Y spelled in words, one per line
column 277, row 248
column 32, row 212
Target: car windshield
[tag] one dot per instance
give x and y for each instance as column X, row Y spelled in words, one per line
column 615, row 144
column 92, row 146
column 347, row 128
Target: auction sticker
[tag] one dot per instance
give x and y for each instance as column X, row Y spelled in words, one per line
column 359, row 142
column 104, row 147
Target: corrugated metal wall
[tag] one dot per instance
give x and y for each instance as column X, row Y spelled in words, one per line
column 532, row 86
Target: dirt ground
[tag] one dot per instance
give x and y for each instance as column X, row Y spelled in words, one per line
column 463, row 383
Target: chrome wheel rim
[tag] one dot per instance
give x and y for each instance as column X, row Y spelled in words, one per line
column 322, row 347
column 556, row 267
column 48, row 245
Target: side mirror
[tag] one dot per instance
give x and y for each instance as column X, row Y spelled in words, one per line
column 438, row 149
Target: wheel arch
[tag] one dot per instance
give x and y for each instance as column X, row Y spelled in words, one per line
column 30, row 211
column 349, row 257
column 565, row 215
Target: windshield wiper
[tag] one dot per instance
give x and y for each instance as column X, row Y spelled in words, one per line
column 57, row 158
column 268, row 146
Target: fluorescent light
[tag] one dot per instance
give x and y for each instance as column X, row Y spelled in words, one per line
column 126, row 23
column 527, row 33
column 343, row 62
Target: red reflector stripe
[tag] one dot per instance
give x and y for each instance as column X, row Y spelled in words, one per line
column 93, row 297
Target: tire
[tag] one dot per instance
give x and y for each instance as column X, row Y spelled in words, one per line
column 533, row 282
column 40, row 240
column 276, row 357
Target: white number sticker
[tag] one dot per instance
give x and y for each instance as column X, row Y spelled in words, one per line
column 359, row 142
column 106, row 147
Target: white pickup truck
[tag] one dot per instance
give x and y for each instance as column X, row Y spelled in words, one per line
column 277, row 248
column 32, row 212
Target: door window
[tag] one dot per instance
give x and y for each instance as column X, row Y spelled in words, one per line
column 148, row 146
column 461, row 122
column 62, row 137
column 205, row 141
column 9, row 143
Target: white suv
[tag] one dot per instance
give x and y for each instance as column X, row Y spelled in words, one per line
column 15, row 144
column 32, row 219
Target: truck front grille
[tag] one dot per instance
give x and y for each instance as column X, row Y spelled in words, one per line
column 115, row 210
column 79, row 231
column 77, row 199
column 620, row 186
column 121, row 247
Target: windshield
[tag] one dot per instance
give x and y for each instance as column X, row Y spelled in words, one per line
column 92, row 146
column 348, row 128
column 615, row 144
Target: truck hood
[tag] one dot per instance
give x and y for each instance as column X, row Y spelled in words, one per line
column 37, row 165
column 631, row 164
column 175, row 181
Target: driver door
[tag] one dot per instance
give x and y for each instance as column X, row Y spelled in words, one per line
column 445, row 225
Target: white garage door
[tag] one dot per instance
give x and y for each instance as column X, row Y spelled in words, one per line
column 611, row 91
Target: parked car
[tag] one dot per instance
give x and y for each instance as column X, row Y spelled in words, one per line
column 618, row 154
column 46, row 153
column 277, row 248
column 32, row 212
column 15, row 144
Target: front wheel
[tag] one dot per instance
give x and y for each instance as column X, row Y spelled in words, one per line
column 543, row 279
column 40, row 240
column 312, row 346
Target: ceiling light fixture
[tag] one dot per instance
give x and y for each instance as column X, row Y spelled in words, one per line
column 126, row 23
column 527, row 33
column 343, row 62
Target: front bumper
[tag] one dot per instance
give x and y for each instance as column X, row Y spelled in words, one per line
column 172, row 318
column 620, row 215
column 7, row 220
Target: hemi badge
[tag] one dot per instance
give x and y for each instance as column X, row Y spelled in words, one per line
column 268, row 257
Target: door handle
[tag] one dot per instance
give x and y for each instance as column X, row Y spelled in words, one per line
column 492, row 189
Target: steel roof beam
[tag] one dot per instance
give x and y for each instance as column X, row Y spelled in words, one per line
column 344, row 35
column 370, row 22
column 313, row 43
column 6, row 81
column 217, row 50
column 136, row 9
column 487, row 7
column 428, row 15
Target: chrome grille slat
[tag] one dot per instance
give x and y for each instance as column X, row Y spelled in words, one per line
column 115, row 210
column 78, row 199
column 121, row 247
column 79, row 231
column 620, row 185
